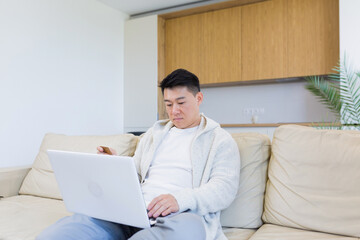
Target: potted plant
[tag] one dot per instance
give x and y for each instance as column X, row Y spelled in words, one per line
column 340, row 92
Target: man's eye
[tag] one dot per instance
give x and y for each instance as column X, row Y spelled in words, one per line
column 181, row 103
column 168, row 105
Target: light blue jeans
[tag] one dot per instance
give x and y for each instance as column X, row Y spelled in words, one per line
column 80, row 227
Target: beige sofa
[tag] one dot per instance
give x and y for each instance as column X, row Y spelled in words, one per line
column 310, row 188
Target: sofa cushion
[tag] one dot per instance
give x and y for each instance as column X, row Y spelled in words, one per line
column 238, row 233
column 24, row 217
column 314, row 178
column 274, row 232
column 247, row 208
column 41, row 181
column 11, row 179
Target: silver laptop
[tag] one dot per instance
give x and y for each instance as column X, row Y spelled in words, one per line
column 100, row 186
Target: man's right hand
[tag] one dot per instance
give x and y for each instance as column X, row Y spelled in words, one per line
column 101, row 151
column 162, row 205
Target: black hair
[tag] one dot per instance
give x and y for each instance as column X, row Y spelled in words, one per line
column 181, row 77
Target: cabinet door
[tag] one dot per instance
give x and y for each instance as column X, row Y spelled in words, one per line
column 183, row 44
column 264, row 40
column 313, row 36
column 221, row 54
column 207, row 44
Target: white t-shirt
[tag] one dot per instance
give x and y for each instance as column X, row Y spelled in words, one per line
column 171, row 169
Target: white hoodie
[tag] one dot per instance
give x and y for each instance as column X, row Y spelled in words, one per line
column 216, row 168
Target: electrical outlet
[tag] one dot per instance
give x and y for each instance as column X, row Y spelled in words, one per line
column 247, row 111
column 253, row 111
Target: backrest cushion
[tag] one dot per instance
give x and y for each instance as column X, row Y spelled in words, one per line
column 247, row 208
column 314, row 178
column 41, row 181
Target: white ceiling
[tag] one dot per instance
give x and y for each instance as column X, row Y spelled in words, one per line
column 132, row 7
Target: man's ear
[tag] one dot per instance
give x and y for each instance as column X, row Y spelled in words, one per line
column 199, row 97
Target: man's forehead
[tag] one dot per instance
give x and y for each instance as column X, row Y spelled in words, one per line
column 176, row 93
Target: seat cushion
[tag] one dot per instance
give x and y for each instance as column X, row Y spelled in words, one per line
column 314, row 178
column 274, row 232
column 238, row 233
column 24, row 217
column 41, row 181
column 247, row 208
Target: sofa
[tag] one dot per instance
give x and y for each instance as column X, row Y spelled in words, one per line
column 304, row 184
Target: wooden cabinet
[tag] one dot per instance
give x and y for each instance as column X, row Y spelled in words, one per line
column 264, row 40
column 289, row 38
column 207, row 44
column 222, row 46
column 183, row 43
column 313, row 36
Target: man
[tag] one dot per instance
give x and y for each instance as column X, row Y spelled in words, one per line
column 188, row 168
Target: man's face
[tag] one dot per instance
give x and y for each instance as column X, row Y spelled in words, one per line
column 182, row 106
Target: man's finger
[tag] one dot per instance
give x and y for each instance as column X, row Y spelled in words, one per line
column 166, row 212
column 100, row 150
column 154, row 202
column 160, row 211
column 153, row 210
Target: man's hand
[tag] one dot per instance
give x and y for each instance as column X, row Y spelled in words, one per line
column 101, row 151
column 163, row 205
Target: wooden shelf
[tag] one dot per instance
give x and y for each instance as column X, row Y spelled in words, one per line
column 308, row 124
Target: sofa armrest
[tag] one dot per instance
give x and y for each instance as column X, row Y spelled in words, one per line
column 11, row 179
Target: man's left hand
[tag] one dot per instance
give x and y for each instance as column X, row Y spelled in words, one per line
column 163, row 205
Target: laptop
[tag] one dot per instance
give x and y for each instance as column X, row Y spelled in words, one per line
column 100, row 186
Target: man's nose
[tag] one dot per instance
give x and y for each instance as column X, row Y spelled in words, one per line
column 175, row 109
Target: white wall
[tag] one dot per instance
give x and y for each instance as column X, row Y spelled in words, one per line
column 349, row 31
column 61, row 71
column 281, row 102
column 349, row 35
column 140, row 80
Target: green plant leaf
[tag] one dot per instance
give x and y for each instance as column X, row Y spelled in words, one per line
column 339, row 92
